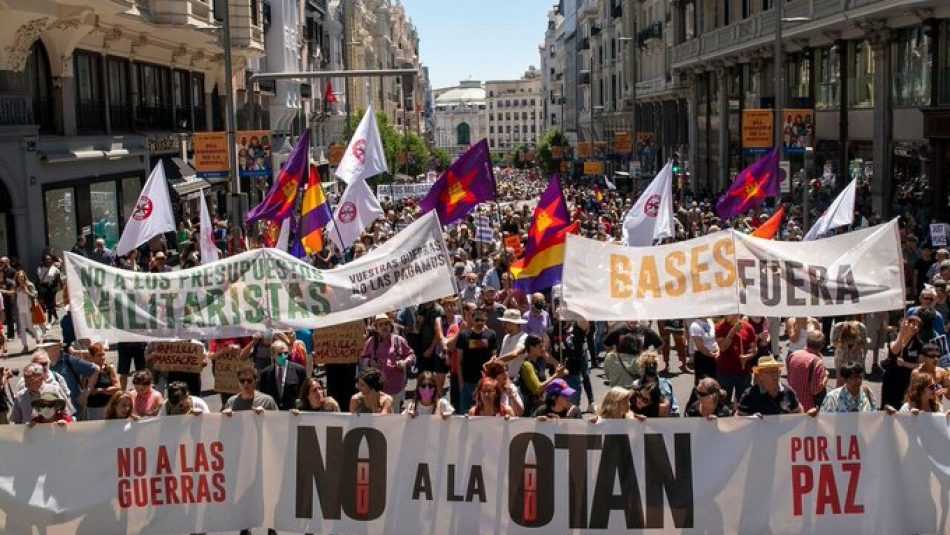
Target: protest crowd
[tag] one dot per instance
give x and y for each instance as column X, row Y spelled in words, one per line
column 493, row 349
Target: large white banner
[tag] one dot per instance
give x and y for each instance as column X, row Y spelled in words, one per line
column 730, row 272
column 257, row 290
column 321, row 473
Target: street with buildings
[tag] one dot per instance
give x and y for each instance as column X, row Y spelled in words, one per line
column 265, row 267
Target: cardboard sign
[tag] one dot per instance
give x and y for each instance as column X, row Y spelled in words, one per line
column 183, row 356
column 340, row 344
column 514, row 242
column 938, row 234
column 227, row 361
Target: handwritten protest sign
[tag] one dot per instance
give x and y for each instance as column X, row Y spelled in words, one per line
column 514, row 242
column 226, row 363
column 183, row 356
column 340, row 344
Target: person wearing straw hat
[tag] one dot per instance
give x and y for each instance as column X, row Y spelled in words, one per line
column 768, row 396
column 512, row 351
column 391, row 355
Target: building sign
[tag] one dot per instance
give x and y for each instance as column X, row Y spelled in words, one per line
column 163, row 144
column 336, row 154
column 757, row 129
column 254, row 154
column 583, row 150
column 211, row 154
column 798, row 129
column 593, row 168
column 623, row 142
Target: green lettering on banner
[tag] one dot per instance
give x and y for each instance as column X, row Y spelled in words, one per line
column 320, row 304
column 132, row 309
column 272, row 299
column 255, row 309
column 119, row 283
column 296, row 308
column 215, row 307
column 85, row 277
column 169, row 309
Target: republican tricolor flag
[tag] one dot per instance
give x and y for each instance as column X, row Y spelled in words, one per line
column 542, row 269
column 752, row 185
column 279, row 203
column 314, row 214
column 550, row 215
column 467, row 182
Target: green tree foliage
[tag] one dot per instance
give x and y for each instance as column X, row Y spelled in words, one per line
column 551, row 138
column 417, row 153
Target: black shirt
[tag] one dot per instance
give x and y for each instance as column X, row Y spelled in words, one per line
column 622, row 339
column 755, row 400
column 568, row 347
column 477, row 349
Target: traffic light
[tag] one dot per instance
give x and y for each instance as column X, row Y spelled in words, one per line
column 676, row 164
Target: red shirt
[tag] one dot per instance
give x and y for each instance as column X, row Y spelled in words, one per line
column 728, row 361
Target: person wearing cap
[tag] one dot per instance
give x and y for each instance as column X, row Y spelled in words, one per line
column 157, row 265
column 391, row 355
column 50, row 408
column 854, row 396
column 557, row 402
column 71, row 368
column 767, row 396
column 35, row 386
column 512, row 345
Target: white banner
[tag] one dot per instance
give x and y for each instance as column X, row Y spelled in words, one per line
column 320, row 473
column 396, row 192
column 257, row 290
column 730, row 272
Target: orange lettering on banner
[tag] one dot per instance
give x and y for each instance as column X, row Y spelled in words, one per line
column 697, row 268
column 649, row 278
column 723, row 252
column 620, row 280
column 677, row 287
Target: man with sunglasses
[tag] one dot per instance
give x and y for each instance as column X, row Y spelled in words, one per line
column 476, row 346
column 928, row 301
column 249, row 398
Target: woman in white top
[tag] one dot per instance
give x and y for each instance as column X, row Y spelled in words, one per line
column 24, row 295
column 428, row 399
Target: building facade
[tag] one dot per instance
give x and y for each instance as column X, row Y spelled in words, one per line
column 460, row 116
column 92, row 97
column 875, row 72
column 515, row 110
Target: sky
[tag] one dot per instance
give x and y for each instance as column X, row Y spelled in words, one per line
column 478, row 39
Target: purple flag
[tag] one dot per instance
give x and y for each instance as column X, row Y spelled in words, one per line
column 279, row 203
column 753, row 185
column 467, row 182
column 550, row 215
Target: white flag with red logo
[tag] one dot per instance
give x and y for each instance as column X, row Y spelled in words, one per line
column 839, row 214
column 364, row 156
column 152, row 214
column 209, row 251
column 651, row 218
column 358, row 208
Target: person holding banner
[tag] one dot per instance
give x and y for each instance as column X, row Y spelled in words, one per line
column 706, row 401
column 313, row 398
column 180, row 401
column 768, row 396
column 854, row 396
column 249, row 398
column 370, row 398
column 923, row 395
column 616, row 406
column 428, row 399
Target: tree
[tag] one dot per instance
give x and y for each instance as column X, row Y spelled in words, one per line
column 518, row 160
column 551, row 138
column 442, row 157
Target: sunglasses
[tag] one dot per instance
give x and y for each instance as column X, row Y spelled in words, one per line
column 426, row 387
column 935, row 387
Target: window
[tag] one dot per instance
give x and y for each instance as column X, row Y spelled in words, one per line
column 524, row 116
column 61, row 229
column 491, row 129
column 33, row 83
column 198, row 101
column 181, row 95
column 860, row 75
column 798, row 75
column 255, row 12
column 828, row 66
column 105, row 213
column 120, row 101
column 463, row 134
column 155, row 99
column 912, row 61
column 689, row 20
column 90, row 109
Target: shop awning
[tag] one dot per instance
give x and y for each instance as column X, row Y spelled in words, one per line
column 193, row 185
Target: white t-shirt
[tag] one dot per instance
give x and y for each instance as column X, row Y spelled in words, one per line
column 509, row 344
column 704, row 329
column 422, row 410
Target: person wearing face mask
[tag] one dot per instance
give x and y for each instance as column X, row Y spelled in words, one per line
column 282, row 379
column 50, row 408
column 428, row 399
column 648, row 362
column 538, row 319
column 391, row 355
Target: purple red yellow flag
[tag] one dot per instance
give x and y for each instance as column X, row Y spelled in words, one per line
column 753, row 185
column 467, row 182
column 279, row 203
column 542, row 269
column 550, row 215
column 314, row 213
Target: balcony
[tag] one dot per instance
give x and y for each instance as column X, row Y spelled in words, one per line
column 90, row 116
column 16, row 110
column 649, row 33
column 758, row 30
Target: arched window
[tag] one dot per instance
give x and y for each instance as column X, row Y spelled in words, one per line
column 32, row 83
column 463, row 134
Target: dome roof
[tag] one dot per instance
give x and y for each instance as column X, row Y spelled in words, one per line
column 467, row 92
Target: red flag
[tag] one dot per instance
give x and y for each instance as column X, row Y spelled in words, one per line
column 770, row 228
column 328, row 95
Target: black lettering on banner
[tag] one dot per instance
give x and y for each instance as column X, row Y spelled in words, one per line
column 616, row 461
column 313, row 469
column 793, row 282
column 423, row 483
column 531, row 480
column 577, row 446
column 770, row 268
column 364, row 488
column 846, row 286
column 745, row 281
column 660, row 478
